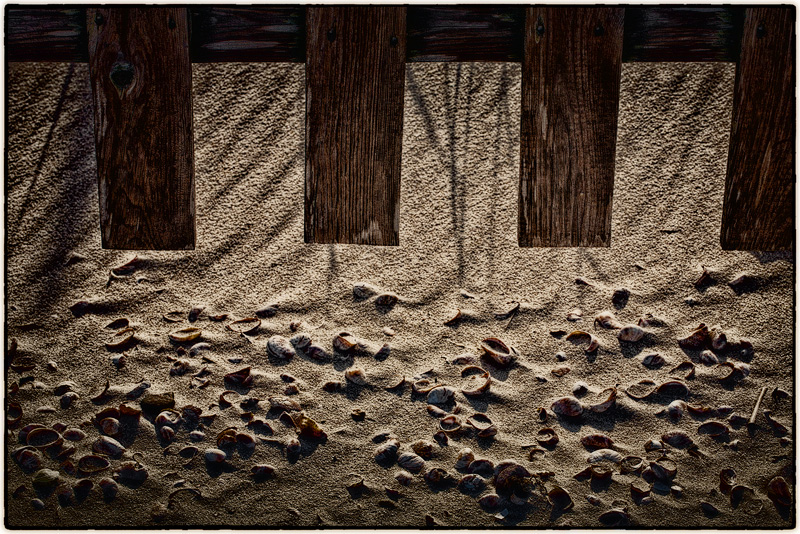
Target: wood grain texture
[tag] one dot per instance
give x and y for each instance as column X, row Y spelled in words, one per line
column 570, row 97
column 248, row 33
column 465, row 33
column 142, row 90
column 45, row 33
column 682, row 33
column 758, row 210
column 355, row 79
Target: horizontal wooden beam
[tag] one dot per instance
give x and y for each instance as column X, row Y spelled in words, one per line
column 274, row 33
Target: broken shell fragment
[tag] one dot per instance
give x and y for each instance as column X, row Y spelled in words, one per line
column 64, row 387
column 547, row 437
column 262, row 471
column 708, row 358
column 465, row 457
column 699, row 339
column 28, row 458
column 281, row 348
column 727, row 480
column 631, row 333
column 607, row 320
column 575, row 315
column 345, row 342
column 606, row 400
column 778, row 492
column 498, row 351
column 454, row 318
column 472, row 483
column 597, row 441
column 299, row 341
column 92, row 463
column 514, row 479
column 437, row 476
column 673, row 388
column 685, row 368
column 248, row 325
column 185, row 334
column 241, row 378
column 68, row 398
column 120, row 339
column 567, row 407
column 356, row 376
column 307, row 427
column 713, row 429
column 440, row 395
column 579, row 336
column 450, row 424
column 424, row 448
column 315, row 352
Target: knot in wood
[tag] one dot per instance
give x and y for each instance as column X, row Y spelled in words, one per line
column 122, row 74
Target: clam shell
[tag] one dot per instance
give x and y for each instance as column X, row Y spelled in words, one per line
column 684, row 368
column 315, row 352
column 13, row 414
column 404, row 477
column 167, row 433
column 185, row 334
column 677, row 438
column 284, row 404
column 727, row 480
column 488, row 432
column 281, row 348
column 131, row 472
column 472, row 483
column 248, row 325
column 300, row 341
column 423, row 386
column 616, row 517
column 676, row 408
column 778, row 492
column 345, row 342
column 68, row 398
column 478, row 383
column 606, row 400
column 481, row 466
column 424, row 448
column 387, row 452
column 108, row 446
column 639, row 490
column 579, row 336
column 440, row 395
column 597, row 441
column 479, row 420
column 631, row 333
column 673, row 388
column 489, row 501
column 547, row 437
column 713, row 429
column 24, row 431
column 356, row 376
column 242, row 378
column 92, row 463
column 465, row 457
column 567, row 407
column 653, row 360
column 719, row 340
column 42, row 437
column 109, row 488
column 559, row 499
column 575, row 315
column 631, row 464
column 454, row 318
column 411, row 461
column 664, row 469
column 514, row 479
column 607, row 320
column 214, row 456
column 709, row 509
column 708, row 358
column 28, row 458
column 190, row 451
column 604, row 454
column 436, row 476
column 109, row 426
column 386, row 300
column 167, row 417
column 600, row 472
column 450, row 424
column 120, row 339
column 699, row 339
column 262, row 471
column 498, row 351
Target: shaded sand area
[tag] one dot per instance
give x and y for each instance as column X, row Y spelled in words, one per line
column 458, row 252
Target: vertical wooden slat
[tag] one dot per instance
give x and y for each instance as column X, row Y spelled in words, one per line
column 355, row 75
column 758, row 211
column 142, row 90
column 570, row 98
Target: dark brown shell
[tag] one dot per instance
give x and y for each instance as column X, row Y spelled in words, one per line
column 242, row 378
column 559, row 499
column 567, row 407
column 547, row 437
column 597, row 441
column 641, row 390
column 677, row 438
column 713, row 429
column 605, row 401
column 42, row 437
column 514, row 479
column 615, row 517
column 13, row 414
column 437, row 476
column 498, row 351
column 778, row 492
column 699, row 339
column 129, row 472
column 709, row 509
column 727, row 479
column 664, row 469
column 583, row 475
column 639, row 490
column 673, row 389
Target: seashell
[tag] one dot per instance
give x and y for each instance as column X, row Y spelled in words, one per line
column 315, row 352
column 478, row 383
column 631, row 464
column 450, row 424
column 28, row 458
column 579, row 336
column 356, row 375
column 245, row 440
column 387, row 452
column 67, row 399
column 604, row 454
column 514, row 479
column 120, row 339
column 600, row 472
column 293, row 446
column 22, row 364
column 631, row 333
column 386, row 300
column 261, row 471
column 190, row 451
column 173, row 316
column 705, row 279
column 241, row 378
column 741, row 280
column 664, row 469
column 567, row 407
column 673, row 388
column 441, row 438
column 708, row 358
column 424, row 448
column 597, row 441
column 685, row 368
column 488, row 432
column 92, row 463
column 333, row 386
column 699, row 339
column 547, row 437
column 167, row 433
column 45, row 480
column 411, row 461
column 616, row 517
column 500, row 353
column 180, row 367
column 745, row 498
column 404, row 477
column 607, row 320
column 42, row 437
column 575, row 315
column 579, row 389
column 247, row 325
column 64, row 387
column 778, row 492
column 281, row 348
column 300, row 341
column 653, row 361
column 559, row 499
column 185, row 334
column 675, row 409
column 709, row 509
column 109, row 488
column 465, row 457
column 59, row 427
column 214, row 456
column 607, row 400
column 454, row 318
column 677, row 438
column 489, row 501
column 719, row 340
column 594, row 500
column 776, row 426
column 345, row 342
column 364, row 290
column 727, row 480
column 472, row 483
column 560, row 371
column 110, row 426
column 74, row 434
column 423, row 386
column 713, row 429
column 307, row 427
column 197, row 348
column 140, row 389
column 13, row 414
column 639, row 490
column 440, row 395
column 481, row 466
column 437, row 476
column 108, row 446
column 620, row 297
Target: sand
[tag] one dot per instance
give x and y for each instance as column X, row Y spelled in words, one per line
column 458, row 250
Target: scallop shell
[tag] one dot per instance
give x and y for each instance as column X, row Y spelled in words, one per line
column 280, row 347
column 345, row 342
column 42, row 437
column 597, row 441
column 356, row 376
column 547, row 437
column 677, row 438
column 604, row 454
column 440, row 395
column 699, row 339
column 472, row 483
column 631, row 333
column 559, row 499
column 465, row 457
column 579, row 336
column 120, row 339
column 92, row 463
column 713, row 429
column 411, row 461
column 498, row 351
column 478, row 383
column 248, row 325
column 185, row 334
column 607, row 400
column 567, row 407
column 109, row 446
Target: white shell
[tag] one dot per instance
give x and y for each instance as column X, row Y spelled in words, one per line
column 215, row 456
column 280, row 347
column 631, row 333
column 604, row 454
column 465, row 457
column 356, row 376
column 107, row 445
column 440, row 395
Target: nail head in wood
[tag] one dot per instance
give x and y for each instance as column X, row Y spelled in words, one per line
column 172, row 24
column 332, row 34
column 599, row 30
column 98, row 19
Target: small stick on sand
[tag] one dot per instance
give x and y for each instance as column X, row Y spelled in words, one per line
column 752, row 420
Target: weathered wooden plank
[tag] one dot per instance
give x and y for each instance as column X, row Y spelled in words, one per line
column 355, row 78
column 248, row 33
column 570, row 97
column 465, row 33
column 45, row 33
column 758, row 210
column 267, row 33
column 690, row 33
column 142, row 90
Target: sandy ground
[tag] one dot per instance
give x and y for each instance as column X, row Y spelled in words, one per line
column 458, row 251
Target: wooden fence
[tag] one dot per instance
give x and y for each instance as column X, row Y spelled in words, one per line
column 140, row 68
